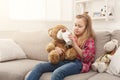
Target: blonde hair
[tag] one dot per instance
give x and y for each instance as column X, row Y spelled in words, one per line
column 88, row 33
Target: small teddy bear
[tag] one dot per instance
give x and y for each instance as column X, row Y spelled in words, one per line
column 59, row 35
column 102, row 62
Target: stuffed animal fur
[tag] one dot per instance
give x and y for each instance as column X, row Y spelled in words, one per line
column 60, row 39
column 102, row 62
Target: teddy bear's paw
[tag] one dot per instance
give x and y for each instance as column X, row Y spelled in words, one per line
column 94, row 66
column 102, row 67
column 50, row 47
column 54, row 60
column 70, row 54
column 53, row 57
column 70, row 57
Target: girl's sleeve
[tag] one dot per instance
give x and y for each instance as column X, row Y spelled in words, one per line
column 89, row 51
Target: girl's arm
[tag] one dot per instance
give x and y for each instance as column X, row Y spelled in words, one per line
column 78, row 49
column 88, row 52
column 75, row 45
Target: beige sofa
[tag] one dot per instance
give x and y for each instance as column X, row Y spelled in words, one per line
column 33, row 43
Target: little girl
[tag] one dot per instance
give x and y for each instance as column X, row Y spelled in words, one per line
column 83, row 42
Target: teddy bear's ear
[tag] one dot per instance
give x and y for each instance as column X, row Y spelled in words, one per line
column 50, row 31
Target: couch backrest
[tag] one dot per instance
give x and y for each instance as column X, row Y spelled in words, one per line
column 6, row 34
column 101, row 38
column 116, row 35
column 34, row 42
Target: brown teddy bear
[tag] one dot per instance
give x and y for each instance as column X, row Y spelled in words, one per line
column 59, row 35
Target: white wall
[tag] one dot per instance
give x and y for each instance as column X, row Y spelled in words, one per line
column 7, row 24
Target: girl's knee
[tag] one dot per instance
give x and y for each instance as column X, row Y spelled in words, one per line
column 57, row 75
column 39, row 67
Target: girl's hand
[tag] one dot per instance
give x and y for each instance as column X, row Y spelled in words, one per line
column 59, row 50
column 71, row 37
column 74, row 42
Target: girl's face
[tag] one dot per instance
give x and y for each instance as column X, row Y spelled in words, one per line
column 79, row 26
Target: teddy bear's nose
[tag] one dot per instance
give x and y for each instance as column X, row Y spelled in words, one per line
column 63, row 30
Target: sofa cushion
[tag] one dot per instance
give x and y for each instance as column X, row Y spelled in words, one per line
column 81, row 76
column 9, row 50
column 104, row 76
column 33, row 43
column 17, row 69
column 101, row 38
column 116, row 35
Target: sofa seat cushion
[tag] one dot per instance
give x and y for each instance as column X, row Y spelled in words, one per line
column 81, row 76
column 16, row 70
column 104, row 76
